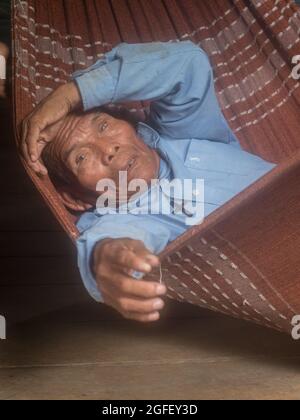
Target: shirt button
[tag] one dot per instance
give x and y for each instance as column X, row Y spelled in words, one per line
column 194, row 159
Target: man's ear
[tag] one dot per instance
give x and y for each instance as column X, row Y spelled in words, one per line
column 72, row 202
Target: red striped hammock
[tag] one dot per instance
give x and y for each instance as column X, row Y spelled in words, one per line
column 244, row 260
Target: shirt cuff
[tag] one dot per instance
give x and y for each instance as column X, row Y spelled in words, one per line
column 96, row 87
column 84, row 264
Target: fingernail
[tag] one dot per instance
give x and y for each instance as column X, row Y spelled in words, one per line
column 161, row 289
column 33, row 158
column 154, row 317
column 158, row 304
column 152, row 258
column 147, row 267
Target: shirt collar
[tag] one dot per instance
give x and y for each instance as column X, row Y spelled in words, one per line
column 149, row 135
column 151, row 138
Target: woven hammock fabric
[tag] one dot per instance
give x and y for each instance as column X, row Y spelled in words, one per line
column 244, row 259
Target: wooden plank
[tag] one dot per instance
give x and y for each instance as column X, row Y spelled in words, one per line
column 202, row 358
column 180, row 380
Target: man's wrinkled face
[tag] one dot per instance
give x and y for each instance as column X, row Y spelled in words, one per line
column 96, row 145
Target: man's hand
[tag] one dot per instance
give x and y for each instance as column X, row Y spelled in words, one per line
column 114, row 262
column 50, row 111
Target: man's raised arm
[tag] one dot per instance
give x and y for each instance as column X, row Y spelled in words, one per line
column 175, row 76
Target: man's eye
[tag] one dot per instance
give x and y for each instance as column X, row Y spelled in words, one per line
column 103, row 126
column 79, row 159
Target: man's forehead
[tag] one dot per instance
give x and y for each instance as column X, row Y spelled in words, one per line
column 84, row 121
column 77, row 128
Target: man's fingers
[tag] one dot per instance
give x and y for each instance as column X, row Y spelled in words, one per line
column 152, row 259
column 114, row 261
column 41, row 169
column 134, row 315
column 125, row 255
column 24, row 151
column 144, row 289
column 140, row 288
column 31, row 147
column 154, row 316
column 121, row 284
column 138, row 260
column 139, row 249
column 24, row 133
column 40, row 147
column 132, row 295
column 128, row 260
column 37, row 167
column 142, row 306
column 32, row 137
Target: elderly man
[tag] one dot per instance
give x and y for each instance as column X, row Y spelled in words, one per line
column 185, row 137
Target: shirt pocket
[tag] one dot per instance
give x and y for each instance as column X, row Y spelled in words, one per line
column 204, row 155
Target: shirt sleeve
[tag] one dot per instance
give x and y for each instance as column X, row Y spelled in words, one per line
column 175, row 76
column 155, row 235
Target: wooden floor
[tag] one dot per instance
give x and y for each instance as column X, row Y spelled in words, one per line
column 62, row 345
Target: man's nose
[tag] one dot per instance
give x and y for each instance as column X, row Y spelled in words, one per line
column 109, row 153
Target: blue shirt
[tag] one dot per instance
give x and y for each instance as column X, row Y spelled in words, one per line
column 186, row 127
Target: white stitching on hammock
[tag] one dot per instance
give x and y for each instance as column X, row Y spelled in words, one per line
column 199, row 283
column 220, row 51
column 263, row 102
column 271, row 111
column 69, row 36
column 229, row 282
column 253, row 286
column 196, row 281
column 244, row 63
column 208, row 277
column 258, row 272
column 250, row 76
column 206, row 39
column 235, row 21
column 245, row 277
column 237, row 86
column 235, row 40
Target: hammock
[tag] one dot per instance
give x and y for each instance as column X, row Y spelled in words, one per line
column 244, row 260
